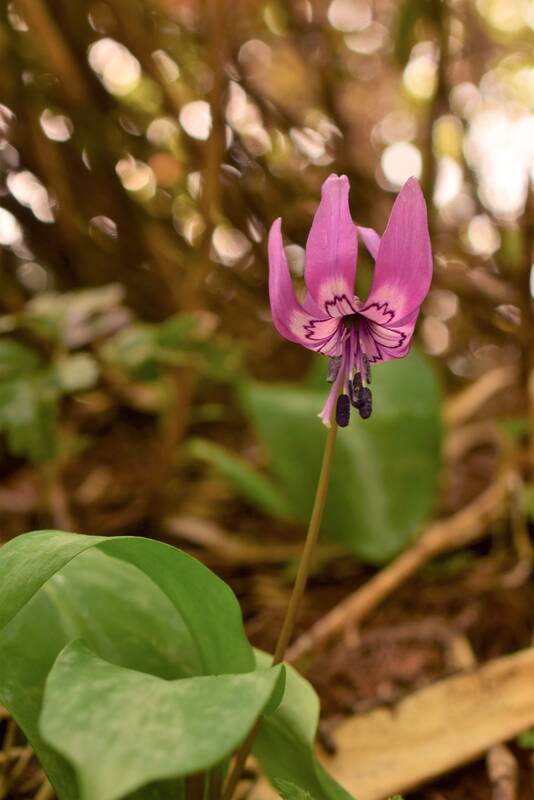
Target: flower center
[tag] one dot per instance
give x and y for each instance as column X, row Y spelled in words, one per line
column 352, row 371
column 351, row 321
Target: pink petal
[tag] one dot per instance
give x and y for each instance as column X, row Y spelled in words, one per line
column 382, row 343
column 291, row 320
column 332, row 246
column 309, row 305
column 288, row 315
column 371, row 240
column 403, row 268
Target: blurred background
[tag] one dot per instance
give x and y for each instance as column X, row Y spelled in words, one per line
column 145, row 148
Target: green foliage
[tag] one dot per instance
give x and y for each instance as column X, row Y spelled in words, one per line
column 290, row 791
column 28, row 416
column 254, row 486
column 30, row 391
column 284, row 746
column 386, row 469
column 144, row 351
column 123, row 729
column 106, row 717
column 16, row 360
column 130, row 353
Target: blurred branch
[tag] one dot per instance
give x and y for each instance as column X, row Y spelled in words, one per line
column 55, row 51
column 175, row 421
column 463, row 405
column 526, row 280
column 138, row 38
column 216, row 33
column 438, row 106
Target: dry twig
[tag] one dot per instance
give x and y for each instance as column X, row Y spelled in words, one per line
column 502, row 771
column 461, row 529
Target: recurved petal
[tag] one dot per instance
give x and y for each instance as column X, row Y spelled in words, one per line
column 382, row 343
column 403, row 268
column 332, row 246
column 371, row 239
column 288, row 315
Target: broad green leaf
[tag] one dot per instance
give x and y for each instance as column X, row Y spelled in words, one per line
column 67, row 589
column 122, row 729
column 386, row 469
column 255, row 487
column 56, row 586
column 29, row 645
column 123, row 615
column 120, row 612
column 207, row 606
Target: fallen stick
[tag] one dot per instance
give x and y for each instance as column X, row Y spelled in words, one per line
column 463, row 405
column 435, row 729
column 461, row 529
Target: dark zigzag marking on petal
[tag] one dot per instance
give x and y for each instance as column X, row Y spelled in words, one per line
column 335, row 301
column 383, row 308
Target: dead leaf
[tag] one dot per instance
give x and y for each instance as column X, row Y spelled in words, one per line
column 435, row 729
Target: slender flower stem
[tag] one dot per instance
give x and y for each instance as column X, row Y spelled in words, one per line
column 309, row 547
column 299, row 587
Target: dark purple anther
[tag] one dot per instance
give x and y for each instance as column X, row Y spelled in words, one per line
column 366, row 403
column 343, row 411
column 333, row 368
column 367, row 368
column 355, row 388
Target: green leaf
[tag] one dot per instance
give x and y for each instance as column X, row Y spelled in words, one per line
column 119, row 611
column 386, row 469
column 150, row 607
column 255, row 487
column 16, row 359
column 176, row 331
column 285, row 742
column 133, row 610
column 122, row 729
column 204, row 601
column 131, row 348
column 28, row 417
column 290, row 791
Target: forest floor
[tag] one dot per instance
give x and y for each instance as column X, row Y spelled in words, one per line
column 479, row 597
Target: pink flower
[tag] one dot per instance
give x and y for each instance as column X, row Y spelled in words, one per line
column 332, row 320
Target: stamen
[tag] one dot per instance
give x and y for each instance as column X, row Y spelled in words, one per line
column 366, row 403
column 355, row 388
column 333, row 368
column 343, row 411
column 367, row 368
